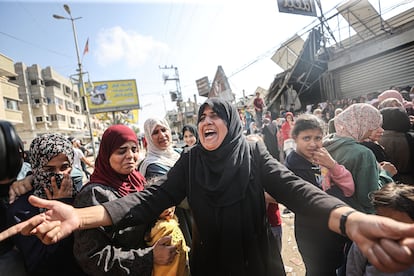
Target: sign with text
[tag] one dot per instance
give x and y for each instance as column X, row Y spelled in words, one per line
column 303, row 7
column 108, row 96
column 203, row 86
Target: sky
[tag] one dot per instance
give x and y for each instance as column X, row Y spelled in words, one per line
column 136, row 39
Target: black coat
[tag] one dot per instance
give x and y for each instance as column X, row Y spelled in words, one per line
column 214, row 228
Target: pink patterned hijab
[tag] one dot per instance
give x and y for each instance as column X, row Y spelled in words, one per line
column 356, row 120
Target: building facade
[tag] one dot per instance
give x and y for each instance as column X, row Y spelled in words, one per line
column 39, row 101
column 9, row 93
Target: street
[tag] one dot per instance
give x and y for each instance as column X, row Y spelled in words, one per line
column 291, row 257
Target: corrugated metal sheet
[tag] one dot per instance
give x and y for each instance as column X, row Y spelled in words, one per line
column 377, row 74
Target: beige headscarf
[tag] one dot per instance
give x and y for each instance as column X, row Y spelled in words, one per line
column 356, row 120
column 166, row 157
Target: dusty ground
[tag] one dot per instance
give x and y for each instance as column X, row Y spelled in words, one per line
column 291, row 257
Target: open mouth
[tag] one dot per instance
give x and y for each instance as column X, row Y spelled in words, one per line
column 209, row 133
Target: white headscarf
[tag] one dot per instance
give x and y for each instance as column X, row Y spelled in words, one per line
column 166, row 157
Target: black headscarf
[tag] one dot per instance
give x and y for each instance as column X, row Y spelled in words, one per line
column 193, row 130
column 395, row 118
column 230, row 211
column 224, row 173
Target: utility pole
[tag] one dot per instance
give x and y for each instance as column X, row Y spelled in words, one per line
column 81, row 86
column 175, row 95
column 175, row 78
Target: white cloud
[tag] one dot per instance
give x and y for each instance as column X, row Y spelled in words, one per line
column 129, row 47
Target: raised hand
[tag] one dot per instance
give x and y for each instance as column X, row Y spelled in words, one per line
column 322, row 157
column 64, row 191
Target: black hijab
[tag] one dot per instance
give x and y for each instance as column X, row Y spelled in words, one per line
column 193, row 130
column 224, row 172
column 230, row 211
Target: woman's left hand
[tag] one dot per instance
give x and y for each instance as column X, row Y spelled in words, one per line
column 64, row 191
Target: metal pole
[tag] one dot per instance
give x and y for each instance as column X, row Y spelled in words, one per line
column 81, row 82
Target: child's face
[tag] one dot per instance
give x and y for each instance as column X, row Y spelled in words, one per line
column 168, row 213
column 189, row 138
column 394, row 214
column 307, row 142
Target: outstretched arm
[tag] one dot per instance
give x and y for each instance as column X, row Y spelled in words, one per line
column 58, row 221
column 379, row 238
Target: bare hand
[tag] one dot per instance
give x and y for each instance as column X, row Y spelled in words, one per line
column 379, row 240
column 20, row 187
column 389, row 167
column 163, row 251
column 59, row 221
column 322, row 157
column 65, row 190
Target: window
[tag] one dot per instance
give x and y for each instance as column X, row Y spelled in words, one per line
column 37, row 82
column 59, row 101
column 39, row 119
column 11, row 104
column 53, row 83
column 57, row 117
column 66, row 90
column 69, row 105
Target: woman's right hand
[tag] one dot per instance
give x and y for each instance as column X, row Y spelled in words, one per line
column 163, row 251
column 64, row 191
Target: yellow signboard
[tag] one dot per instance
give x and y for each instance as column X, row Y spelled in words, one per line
column 108, row 96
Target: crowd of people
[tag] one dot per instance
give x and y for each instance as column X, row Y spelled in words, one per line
column 205, row 209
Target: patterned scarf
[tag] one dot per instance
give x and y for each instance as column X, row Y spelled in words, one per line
column 42, row 150
column 356, row 120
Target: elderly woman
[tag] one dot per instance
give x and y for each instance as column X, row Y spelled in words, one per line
column 51, row 158
column 224, row 178
column 111, row 250
column 354, row 125
column 160, row 158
